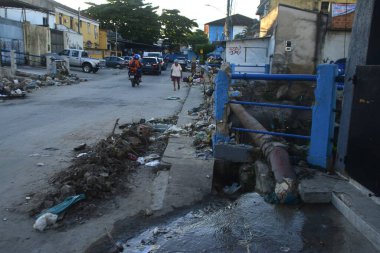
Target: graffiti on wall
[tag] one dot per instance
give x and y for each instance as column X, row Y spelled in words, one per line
column 234, row 50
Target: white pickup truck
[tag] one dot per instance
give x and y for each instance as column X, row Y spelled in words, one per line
column 80, row 58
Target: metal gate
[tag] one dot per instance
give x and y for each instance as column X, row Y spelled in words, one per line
column 364, row 137
column 56, row 41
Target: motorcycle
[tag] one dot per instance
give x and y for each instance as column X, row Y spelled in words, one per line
column 135, row 78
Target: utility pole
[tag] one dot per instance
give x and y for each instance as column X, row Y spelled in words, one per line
column 227, row 23
column 116, row 40
column 79, row 20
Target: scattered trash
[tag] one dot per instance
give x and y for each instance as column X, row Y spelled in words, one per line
column 175, row 129
column 57, row 209
column 151, row 157
column 284, row 249
column 235, row 94
column 27, row 198
column 153, row 163
column 5, row 219
column 132, row 157
column 35, row 155
column 40, row 164
column 45, row 220
column 161, row 127
column 81, row 155
column 141, row 160
column 231, row 189
column 51, row 149
column 80, row 147
column 172, row 98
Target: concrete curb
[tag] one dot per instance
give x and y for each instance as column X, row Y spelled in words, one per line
column 361, row 211
column 189, row 179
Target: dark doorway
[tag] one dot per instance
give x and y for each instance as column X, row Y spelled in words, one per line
column 362, row 162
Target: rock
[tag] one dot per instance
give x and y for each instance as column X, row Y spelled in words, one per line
column 66, row 191
column 265, row 182
column 80, row 147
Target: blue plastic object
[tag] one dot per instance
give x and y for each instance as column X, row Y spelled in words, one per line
column 57, row 209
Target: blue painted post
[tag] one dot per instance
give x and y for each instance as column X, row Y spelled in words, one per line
column 233, row 67
column 322, row 129
column 267, row 68
column 221, row 99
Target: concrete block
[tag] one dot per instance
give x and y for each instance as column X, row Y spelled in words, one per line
column 234, row 153
column 316, row 190
column 264, row 179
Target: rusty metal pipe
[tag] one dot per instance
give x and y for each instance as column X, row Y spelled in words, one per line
column 274, row 151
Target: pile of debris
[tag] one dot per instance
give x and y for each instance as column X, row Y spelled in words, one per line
column 18, row 87
column 102, row 171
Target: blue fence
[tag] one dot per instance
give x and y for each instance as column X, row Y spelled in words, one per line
column 323, row 110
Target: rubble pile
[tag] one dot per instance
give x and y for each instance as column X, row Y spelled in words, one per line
column 103, row 170
column 19, row 86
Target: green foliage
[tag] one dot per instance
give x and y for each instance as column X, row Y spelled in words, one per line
column 175, row 28
column 197, row 38
column 207, row 48
column 135, row 20
column 249, row 31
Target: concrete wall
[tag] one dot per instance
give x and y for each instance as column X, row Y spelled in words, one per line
column 34, row 17
column 72, row 40
column 300, row 28
column 267, row 22
column 248, row 52
column 11, row 37
column 37, row 41
column 314, row 5
column 335, row 46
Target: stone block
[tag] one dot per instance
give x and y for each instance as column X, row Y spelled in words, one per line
column 235, row 153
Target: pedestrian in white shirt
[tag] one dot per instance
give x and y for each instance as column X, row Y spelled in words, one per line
column 176, row 73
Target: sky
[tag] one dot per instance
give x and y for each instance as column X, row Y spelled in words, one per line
column 203, row 11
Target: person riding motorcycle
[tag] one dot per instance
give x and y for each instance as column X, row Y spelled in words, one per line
column 135, row 67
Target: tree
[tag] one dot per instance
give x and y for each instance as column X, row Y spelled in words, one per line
column 175, row 28
column 249, row 31
column 196, row 38
column 134, row 20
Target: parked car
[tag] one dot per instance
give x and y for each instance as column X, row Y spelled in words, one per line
column 115, row 62
column 80, row 58
column 127, row 58
column 183, row 62
column 151, row 65
column 164, row 64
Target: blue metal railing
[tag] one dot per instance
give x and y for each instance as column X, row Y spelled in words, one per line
column 297, row 136
column 323, row 115
column 297, row 107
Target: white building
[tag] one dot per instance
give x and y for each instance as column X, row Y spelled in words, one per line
column 32, row 16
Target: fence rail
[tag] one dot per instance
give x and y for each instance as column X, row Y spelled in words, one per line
column 323, row 110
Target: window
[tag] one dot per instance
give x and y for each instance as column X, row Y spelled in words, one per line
column 45, row 21
column 71, row 23
column 65, row 52
column 75, row 53
column 88, row 28
column 95, row 32
column 84, row 54
column 325, row 7
column 60, row 18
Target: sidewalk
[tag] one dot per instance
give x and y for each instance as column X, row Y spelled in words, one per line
column 189, row 179
column 360, row 208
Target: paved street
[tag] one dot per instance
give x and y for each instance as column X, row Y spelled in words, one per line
column 53, row 120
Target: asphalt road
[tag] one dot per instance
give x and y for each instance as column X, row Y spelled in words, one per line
column 46, row 125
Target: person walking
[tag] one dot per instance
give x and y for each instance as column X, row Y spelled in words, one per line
column 176, row 73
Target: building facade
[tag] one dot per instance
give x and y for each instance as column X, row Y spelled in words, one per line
column 68, row 19
column 216, row 31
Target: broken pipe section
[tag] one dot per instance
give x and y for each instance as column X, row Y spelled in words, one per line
column 275, row 153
